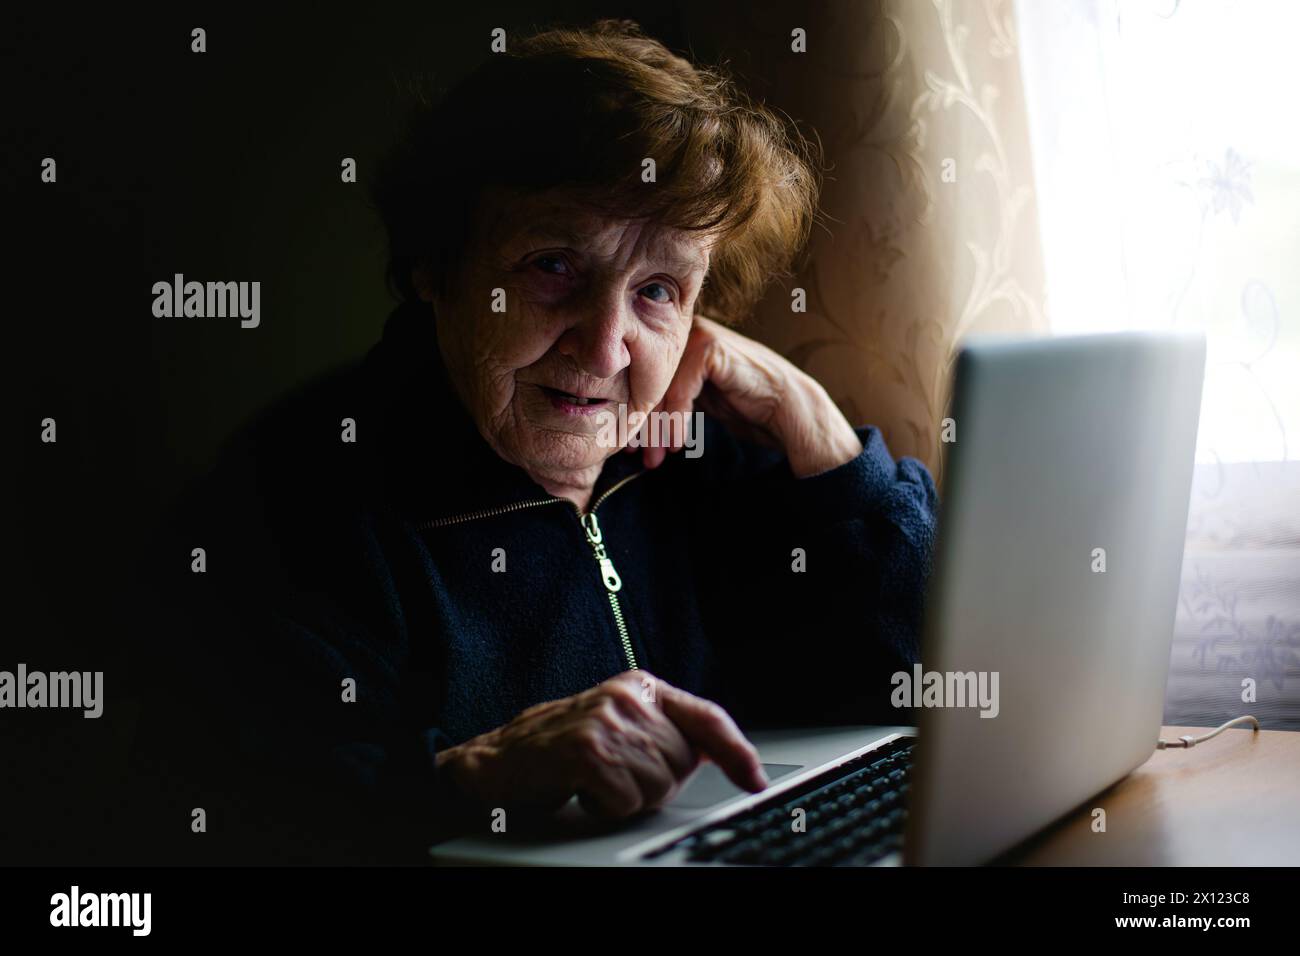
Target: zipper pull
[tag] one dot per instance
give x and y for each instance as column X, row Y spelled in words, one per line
column 607, row 573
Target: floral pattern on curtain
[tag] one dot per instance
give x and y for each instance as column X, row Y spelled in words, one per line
column 931, row 229
column 1169, row 184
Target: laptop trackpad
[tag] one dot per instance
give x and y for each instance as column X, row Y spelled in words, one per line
column 710, row 785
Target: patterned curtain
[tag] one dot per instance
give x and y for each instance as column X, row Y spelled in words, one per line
column 931, row 227
column 1169, row 191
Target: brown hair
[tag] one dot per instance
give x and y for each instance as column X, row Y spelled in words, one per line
column 580, row 109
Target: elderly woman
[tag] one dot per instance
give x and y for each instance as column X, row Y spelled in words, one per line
column 434, row 582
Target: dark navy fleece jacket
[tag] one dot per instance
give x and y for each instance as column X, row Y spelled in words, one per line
column 329, row 561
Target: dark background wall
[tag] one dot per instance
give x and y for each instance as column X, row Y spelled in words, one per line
column 224, row 166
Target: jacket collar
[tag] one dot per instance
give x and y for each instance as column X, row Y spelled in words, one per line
column 434, row 463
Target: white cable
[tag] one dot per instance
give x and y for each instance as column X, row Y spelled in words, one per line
column 1187, row 740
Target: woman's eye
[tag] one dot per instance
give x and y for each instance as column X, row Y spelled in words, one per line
column 555, row 265
column 657, row 292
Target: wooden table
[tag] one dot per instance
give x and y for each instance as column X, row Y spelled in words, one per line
column 1231, row 801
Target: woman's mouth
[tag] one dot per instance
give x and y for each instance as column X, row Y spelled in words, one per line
column 573, row 404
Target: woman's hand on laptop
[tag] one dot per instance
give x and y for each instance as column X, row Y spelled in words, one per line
column 623, row 746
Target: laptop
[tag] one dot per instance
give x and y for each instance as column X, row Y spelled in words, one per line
column 1058, row 561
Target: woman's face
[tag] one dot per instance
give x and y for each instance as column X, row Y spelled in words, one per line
column 592, row 313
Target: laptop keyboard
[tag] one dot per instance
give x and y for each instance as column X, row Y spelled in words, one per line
column 853, row 816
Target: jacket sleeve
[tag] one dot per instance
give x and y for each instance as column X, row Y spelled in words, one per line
column 287, row 673
column 815, row 589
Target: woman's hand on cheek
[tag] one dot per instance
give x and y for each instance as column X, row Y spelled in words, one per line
column 759, row 396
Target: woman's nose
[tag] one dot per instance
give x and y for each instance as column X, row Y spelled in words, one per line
column 597, row 340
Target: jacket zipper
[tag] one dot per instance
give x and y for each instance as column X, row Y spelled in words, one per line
column 591, row 528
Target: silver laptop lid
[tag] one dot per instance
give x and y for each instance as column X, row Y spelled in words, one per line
column 1071, row 455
